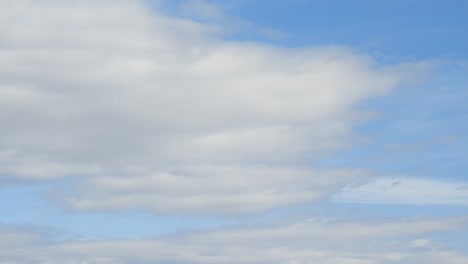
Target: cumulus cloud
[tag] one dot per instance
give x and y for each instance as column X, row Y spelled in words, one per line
column 129, row 100
column 313, row 241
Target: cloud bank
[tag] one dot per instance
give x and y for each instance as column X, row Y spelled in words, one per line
column 143, row 110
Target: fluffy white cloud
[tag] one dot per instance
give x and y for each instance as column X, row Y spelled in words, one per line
column 314, row 241
column 117, row 93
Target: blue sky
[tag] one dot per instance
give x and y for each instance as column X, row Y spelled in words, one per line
column 248, row 131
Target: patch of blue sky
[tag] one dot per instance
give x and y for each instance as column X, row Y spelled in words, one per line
column 328, row 209
column 391, row 30
column 418, row 130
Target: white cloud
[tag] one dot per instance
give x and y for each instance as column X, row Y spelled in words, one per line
column 208, row 189
column 113, row 91
column 419, row 191
column 424, row 244
column 314, row 241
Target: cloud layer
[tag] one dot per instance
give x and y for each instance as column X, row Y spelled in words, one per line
column 160, row 113
column 313, row 241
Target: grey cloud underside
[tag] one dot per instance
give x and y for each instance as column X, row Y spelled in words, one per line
column 313, row 241
column 110, row 92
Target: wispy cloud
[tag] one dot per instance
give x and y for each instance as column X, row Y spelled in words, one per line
column 202, row 9
column 321, row 241
column 420, row 191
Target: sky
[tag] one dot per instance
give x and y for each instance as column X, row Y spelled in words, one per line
column 247, row 131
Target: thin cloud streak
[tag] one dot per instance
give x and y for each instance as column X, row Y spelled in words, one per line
column 414, row 191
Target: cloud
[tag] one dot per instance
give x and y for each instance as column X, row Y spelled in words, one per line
column 317, row 241
column 228, row 190
column 114, row 92
column 419, row 191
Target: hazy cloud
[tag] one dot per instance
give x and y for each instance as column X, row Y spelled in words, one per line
column 419, row 191
column 313, row 241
